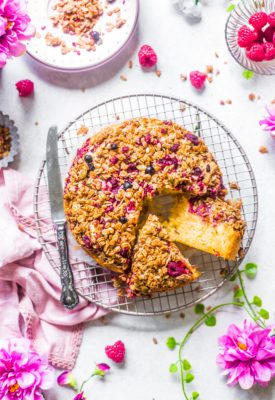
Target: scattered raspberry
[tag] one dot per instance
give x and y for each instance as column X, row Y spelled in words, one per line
column 246, row 36
column 116, row 352
column 197, row 79
column 258, row 20
column 25, row 87
column 255, row 52
column 269, row 34
column 269, row 51
column 271, row 19
column 147, row 56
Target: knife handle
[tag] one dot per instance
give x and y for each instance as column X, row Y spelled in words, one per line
column 69, row 297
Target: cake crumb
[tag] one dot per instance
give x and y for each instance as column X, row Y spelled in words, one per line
column 217, row 72
column 82, row 131
column 234, row 186
column 167, row 316
column 155, row 341
column 182, row 107
column 252, row 97
column 209, row 69
column 217, row 55
column 273, row 101
column 263, row 149
column 130, row 64
column 52, row 40
column 158, row 73
column 117, row 117
column 123, row 78
column 222, row 103
column 210, row 79
column 182, row 315
column 228, row 101
column 183, row 77
column 36, row 123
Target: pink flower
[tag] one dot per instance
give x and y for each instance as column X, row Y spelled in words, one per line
column 14, row 27
column 247, row 355
column 80, row 396
column 103, row 367
column 67, row 379
column 23, row 373
column 269, row 120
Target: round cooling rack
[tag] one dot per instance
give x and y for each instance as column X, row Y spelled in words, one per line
column 95, row 283
column 238, row 17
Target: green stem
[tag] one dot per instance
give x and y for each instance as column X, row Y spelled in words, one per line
column 197, row 2
column 87, row 380
column 189, row 333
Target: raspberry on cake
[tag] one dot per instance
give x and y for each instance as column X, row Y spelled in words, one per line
column 211, row 225
column 119, row 169
column 157, row 263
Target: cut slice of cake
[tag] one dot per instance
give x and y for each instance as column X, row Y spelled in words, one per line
column 158, row 265
column 209, row 224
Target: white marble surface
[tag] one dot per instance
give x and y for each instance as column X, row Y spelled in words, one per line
column 181, row 47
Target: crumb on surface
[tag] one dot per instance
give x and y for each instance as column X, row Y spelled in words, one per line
column 209, row 69
column 222, row 103
column 210, row 79
column 217, row 55
column 263, row 149
column 183, row 77
column 158, row 73
column 130, row 64
column 168, row 315
column 228, row 101
column 123, row 78
column 36, row 123
column 182, row 107
column 234, row 186
column 252, row 96
column 155, row 341
column 182, row 315
column 82, row 130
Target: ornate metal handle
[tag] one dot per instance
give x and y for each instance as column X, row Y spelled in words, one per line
column 69, row 297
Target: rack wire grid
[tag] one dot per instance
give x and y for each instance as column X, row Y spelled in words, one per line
column 95, row 283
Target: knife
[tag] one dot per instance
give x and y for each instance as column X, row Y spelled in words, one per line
column 69, row 297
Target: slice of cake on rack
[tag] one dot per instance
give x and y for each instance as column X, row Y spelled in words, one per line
column 211, row 225
column 157, row 263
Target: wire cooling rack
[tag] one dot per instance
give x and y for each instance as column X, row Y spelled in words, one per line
column 95, row 283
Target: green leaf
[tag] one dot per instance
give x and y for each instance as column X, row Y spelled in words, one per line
column 233, row 278
column 257, row 301
column 195, row 395
column 238, row 294
column 173, row 368
column 171, row 343
column 247, row 74
column 189, row 377
column 199, row 308
column 264, row 313
column 251, row 270
column 230, row 8
column 210, row 320
column 186, row 365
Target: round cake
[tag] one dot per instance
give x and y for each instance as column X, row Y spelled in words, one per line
column 122, row 167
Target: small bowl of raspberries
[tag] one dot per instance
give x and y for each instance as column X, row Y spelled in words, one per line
column 250, row 35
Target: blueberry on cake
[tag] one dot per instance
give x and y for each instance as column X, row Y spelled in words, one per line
column 157, row 263
column 209, row 224
column 118, row 170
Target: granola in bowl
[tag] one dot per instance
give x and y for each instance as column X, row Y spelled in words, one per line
column 119, row 170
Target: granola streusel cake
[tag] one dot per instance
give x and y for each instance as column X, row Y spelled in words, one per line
column 157, row 263
column 119, row 169
column 211, row 225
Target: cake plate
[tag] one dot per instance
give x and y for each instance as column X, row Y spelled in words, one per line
column 95, row 283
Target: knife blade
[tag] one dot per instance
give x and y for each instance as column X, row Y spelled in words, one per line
column 69, row 297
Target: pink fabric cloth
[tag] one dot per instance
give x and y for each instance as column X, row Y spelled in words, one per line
column 29, row 287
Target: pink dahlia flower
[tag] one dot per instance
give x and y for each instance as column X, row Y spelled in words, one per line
column 14, row 27
column 66, row 378
column 24, row 375
column 80, row 396
column 269, row 121
column 247, row 355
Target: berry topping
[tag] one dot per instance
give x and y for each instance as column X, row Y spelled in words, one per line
column 127, row 185
column 113, row 146
column 124, row 252
column 177, row 268
column 123, row 220
column 95, row 35
column 271, row 19
column 208, row 169
column 125, row 149
column 193, row 138
column 25, row 87
column 88, row 158
column 109, row 209
column 255, row 52
column 114, row 160
column 87, row 242
column 147, row 56
column 197, row 171
column 269, row 34
column 269, row 51
column 91, row 167
column 175, row 147
column 132, row 167
column 258, row 20
column 116, row 352
column 197, row 79
column 148, row 138
column 246, row 36
column 150, row 170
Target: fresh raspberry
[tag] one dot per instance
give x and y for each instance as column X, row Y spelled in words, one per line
column 197, row 79
column 269, row 51
column 147, row 56
column 255, row 52
column 269, row 34
column 246, row 36
column 260, row 36
column 258, row 20
column 25, row 87
column 271, row 19
column 116, row 352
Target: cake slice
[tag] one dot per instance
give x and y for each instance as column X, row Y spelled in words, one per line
column 209, row 224
column 158, row 265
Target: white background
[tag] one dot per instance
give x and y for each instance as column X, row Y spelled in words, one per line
column 181, row 47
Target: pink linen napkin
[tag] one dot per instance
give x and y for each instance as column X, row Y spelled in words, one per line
column 29, row 287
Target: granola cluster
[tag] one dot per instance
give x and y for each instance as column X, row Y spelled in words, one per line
column 119, row 170
column 5, row 142
column 158, row 264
